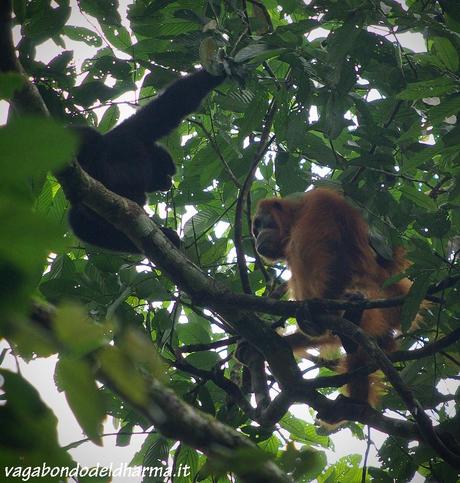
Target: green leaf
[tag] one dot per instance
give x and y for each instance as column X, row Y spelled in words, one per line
column 418, row 198
column 29, row 428
column 123, row 375
column 154, row 452
column 91, row 91
column 429, row 153
column 289, row 176
column 315, row 147
column 26, row 238
column 10, row 82
column 446, row 109
column 341, row 41
column 201, row 221
column 174, row 27
column 105, row 11
column 146, row 286
column 124, row 435
column 332, row 115
column 270, row 445
column 109, row 119
column 203, row 360
column 297, row 28
column 434, row 224
column 254, row 114
column 77, row 380
column 302, row 431
column 82, row 34
column 185, row 464
column 193, row 332
column 424, row 257
column 310, row 464
column 257, row 52
column 47, row 22
column 38, row 149
column 118, row 36
column 296, row 129
column 429, row 88
column 215, row 254
column 346, row 469
column 414, row 298
column 380, row 476
column 446, row 52
column 305, row 464
column 397, row 458
column 19, row 9
column 76, row 331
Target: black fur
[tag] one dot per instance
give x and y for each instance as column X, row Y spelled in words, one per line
column 129, row 162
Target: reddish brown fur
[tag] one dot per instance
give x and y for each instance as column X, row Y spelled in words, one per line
column 325, row 242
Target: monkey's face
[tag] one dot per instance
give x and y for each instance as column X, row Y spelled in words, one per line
column 270, row 240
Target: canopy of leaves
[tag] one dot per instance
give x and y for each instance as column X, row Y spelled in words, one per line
column 332, row 94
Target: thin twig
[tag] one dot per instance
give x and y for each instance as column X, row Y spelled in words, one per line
column 264, row 144
column 366, row 455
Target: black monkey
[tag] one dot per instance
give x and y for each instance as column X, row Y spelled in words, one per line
column 129, row 162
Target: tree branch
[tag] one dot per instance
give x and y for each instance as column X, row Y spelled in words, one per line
column 217, row 377
column 375, row 353
column 27, row 100
column 211, row 345
column 176, row 419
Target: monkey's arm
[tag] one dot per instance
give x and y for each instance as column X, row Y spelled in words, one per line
column 165, row 111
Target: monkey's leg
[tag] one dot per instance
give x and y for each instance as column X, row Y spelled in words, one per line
column 95, row 230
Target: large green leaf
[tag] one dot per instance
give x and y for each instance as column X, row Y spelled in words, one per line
column 77, row 381
column 24, row 409
column 446, row 52
column 38, row 150
column 429, row 88
column 82, row 34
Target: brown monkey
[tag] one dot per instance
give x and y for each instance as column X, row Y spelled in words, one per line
column 325, row 242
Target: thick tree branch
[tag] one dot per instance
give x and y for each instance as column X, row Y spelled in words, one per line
column 26, row 101
column 176, row 419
